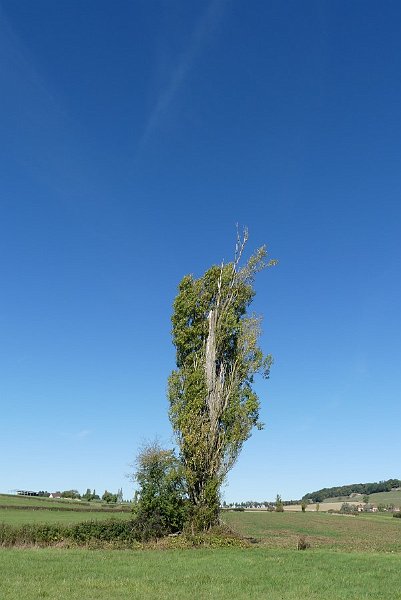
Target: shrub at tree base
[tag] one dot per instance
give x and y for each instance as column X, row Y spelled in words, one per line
column 161, row 506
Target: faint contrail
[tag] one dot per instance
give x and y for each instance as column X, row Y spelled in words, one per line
column 205, row 25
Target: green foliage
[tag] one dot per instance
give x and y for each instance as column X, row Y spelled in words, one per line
column 348, row 509
column 89, row 495
column 397, row 515
column 73, row 494
column 353, row 488
column 110, row 533
column 161, row 505
column 41, row 534
column 213, row 407
column 106, row 531
column 279, row 506
column 109, row 497
column 303, row 506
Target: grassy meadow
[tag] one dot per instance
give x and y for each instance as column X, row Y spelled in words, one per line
column 24, row 517
column 22, row 510
column 365, row 532
column 350, row 558
column 393, row 497
column 35, row 502
column 180, row 574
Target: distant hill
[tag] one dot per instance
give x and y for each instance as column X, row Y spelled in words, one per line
column 353, row 488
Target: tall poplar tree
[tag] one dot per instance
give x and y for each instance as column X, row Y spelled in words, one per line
column 213, row 407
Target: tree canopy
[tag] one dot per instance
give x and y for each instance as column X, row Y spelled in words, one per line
column 213, row 407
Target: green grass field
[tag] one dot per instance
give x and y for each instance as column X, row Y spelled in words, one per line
column 386, row 498
column 21, row 510
column 367, row 533
column 23, row 517
column 379, row 498
column 36, row 502
column 224, row 574
column 350, row 558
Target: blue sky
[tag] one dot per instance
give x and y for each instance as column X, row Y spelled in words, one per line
column 134, row 136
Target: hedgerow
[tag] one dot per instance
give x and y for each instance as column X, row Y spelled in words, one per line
column 112, row 534
column 80, row 534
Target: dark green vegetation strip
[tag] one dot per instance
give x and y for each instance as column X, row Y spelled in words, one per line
column 354, row 488
column 224, row 574
column 110, row 531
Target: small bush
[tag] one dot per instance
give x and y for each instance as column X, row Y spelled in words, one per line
column 219, row 536
column 161, row 506
column 279, row 504
column 397, row 515
column 106, row 531
column 348, row 509
column 303, row 543
column 239, row 508
column 150, row 526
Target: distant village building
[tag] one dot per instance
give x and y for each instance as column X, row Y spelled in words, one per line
column 27, row 493
column 55, row 495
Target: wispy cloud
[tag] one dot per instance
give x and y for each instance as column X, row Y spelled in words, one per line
column 75, row 435
column 82, row 434
column 205, row 25
column 45, row 138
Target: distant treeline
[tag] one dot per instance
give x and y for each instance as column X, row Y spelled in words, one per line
column 353, row 488
column 256, row 504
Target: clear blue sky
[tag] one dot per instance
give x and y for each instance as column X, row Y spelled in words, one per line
column 134, row 135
